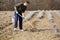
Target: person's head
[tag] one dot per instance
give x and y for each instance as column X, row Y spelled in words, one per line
column 26, row 3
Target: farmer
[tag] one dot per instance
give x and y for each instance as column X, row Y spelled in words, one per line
column 19, row 13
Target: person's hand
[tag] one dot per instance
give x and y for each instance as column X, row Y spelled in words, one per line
column 17, row 12
column 23, row 15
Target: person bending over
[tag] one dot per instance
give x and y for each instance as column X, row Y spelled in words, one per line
column 19, row 11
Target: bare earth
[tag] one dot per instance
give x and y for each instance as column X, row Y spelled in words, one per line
column 39, row 31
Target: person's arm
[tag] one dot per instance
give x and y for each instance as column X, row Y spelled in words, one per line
column 15, row 8
column 19, row 15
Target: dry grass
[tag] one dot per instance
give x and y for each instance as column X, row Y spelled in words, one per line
column 39, row 31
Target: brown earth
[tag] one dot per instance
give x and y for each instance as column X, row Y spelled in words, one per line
column 39, row 31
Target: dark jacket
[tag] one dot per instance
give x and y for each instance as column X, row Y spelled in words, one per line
column 21, row 8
